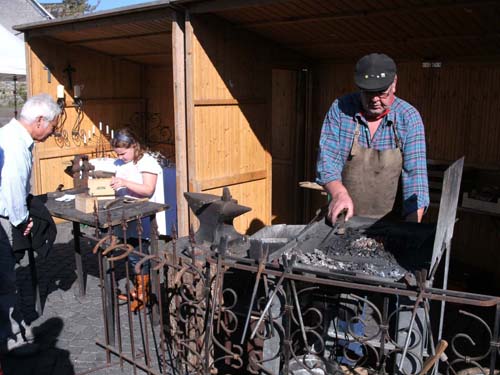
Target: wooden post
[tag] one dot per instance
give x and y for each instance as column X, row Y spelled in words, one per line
column 179, row 76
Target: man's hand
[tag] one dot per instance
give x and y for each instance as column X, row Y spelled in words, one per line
column 341, row 200
column 27, row 230
column 26, row 227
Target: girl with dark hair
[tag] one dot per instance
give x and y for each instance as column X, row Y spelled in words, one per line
column 139, row 175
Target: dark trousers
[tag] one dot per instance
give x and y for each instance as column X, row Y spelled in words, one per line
column 8, row 291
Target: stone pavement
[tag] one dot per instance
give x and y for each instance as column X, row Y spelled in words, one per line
column 69, row 326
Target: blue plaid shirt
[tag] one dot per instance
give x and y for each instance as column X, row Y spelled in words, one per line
column 338, row 132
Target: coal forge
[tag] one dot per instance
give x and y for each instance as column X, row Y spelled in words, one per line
column 353, row 252
column 367, row 248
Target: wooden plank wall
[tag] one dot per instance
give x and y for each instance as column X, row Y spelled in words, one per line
column 228, row 131
column 160, row 129
column 286, row 159
column 459, row 104
column 115, row 92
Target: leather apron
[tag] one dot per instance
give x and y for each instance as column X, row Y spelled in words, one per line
column 372, row 177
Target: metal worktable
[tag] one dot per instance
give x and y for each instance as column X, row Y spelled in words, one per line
column 104, row 219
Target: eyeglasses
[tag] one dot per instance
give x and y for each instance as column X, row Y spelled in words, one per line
column 378, row 94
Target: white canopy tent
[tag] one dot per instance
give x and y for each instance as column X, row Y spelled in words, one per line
column 13, row 61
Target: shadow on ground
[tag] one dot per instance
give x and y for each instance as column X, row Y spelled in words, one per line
column 42, row 357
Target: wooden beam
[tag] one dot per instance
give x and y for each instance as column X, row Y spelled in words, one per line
column 119, row 37
column 179, row 80
column 92, row 23
column 146, row 54
column 190, row 40
column 216, row 102
column 392, row 42
column 223, row 5
column 232, row 180
column 393, row 12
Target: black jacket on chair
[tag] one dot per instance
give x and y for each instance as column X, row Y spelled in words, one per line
column 43, row 233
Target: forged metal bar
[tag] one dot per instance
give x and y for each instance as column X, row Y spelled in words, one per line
column 103, row 302
column 266, row 294
column 116, row 309
column 287, row 268
column 495, row 343
column 144, row 332
column 128, row 359
column 384, row 334
column 299, row 314
column 320, row 213
column 434, row 294
column 78, row 259
column 155, row 278
column 421, row 280
column 262, row 265
column 108, row 298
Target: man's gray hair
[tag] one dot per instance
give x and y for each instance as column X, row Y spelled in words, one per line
column 40, row 105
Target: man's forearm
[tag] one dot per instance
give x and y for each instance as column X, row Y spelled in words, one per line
column 335, row 188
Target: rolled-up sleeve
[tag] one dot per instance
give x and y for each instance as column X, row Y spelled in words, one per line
column 330, row 160
column 415, row 184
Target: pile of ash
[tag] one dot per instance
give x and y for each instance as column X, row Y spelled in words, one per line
column 353, row 252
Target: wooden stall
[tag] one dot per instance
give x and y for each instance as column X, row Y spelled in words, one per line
column 448, row 67
column 116, row 69
column 243, row 86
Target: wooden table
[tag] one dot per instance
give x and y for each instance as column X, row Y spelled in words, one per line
column 105, row 219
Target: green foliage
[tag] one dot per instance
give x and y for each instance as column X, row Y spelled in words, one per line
column 22, row 92
column 71, row 8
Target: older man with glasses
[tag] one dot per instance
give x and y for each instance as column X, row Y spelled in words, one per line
column 371, row 143
column 37, row 121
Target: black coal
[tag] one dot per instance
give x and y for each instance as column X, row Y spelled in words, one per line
column 353, row 252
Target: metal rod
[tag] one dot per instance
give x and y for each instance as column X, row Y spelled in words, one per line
column 127, row 358
column 299, row 314
column 262, row 264
column 421, row 279
column 273, row 294
column 495, row 344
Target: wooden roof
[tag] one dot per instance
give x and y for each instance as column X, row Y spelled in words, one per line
column 347, row 29
column 139, row 34
column 340, row 30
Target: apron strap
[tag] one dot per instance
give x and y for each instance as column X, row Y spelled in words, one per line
column 396, row 137
column 355, row 139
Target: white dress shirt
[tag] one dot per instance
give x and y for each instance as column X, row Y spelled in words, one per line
column 16, row 161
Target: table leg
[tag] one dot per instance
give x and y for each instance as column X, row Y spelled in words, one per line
column 80, row 277
column 155, row 279
column 109, row 300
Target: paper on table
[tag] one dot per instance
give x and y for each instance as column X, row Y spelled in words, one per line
column 66, row 198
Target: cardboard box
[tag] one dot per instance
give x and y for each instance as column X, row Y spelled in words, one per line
column 100, row 187
column 85, row 203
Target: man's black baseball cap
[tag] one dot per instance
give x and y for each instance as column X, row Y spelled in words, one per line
column 374, row 72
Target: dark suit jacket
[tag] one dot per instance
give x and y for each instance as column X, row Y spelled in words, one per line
column 43, row 233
